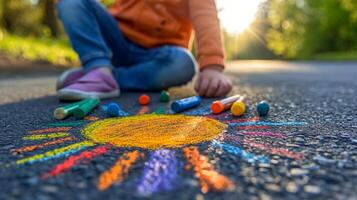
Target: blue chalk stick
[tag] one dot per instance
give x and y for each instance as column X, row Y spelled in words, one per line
column 184, row 104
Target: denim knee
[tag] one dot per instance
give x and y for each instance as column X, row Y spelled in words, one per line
column 178, row 70
column 186, row 62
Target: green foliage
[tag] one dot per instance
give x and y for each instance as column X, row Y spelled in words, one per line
column 53, row 51
column 34, row 18
column 19, row 16
column 303, row 28
column 352, row 55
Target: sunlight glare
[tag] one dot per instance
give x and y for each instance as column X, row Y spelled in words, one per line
column 237, row 15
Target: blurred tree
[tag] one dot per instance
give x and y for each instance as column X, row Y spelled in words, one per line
column 29, row 18
column 20, row 17
column 49, row 18
column 303, row 28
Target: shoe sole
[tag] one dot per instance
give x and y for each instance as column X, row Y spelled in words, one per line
column 64, row 75
column 74, row 95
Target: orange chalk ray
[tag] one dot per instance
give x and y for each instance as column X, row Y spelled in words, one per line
column 91, row 118
column 143, row 110
column 39, row 146
column 75, row 160
column 119, row 171
column 50, row 130
column 208, row 177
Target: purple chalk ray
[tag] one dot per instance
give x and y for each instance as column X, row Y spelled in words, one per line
column 160, row 173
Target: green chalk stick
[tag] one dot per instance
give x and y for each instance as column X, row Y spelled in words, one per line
column 65, row 111
column 84, row 109
column 165, row 96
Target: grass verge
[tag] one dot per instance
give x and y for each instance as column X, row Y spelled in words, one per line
column 339, row 56
column 53, row 51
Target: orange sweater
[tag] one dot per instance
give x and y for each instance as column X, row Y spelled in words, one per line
column 152, row 23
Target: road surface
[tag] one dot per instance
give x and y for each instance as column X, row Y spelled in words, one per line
column 309, row 140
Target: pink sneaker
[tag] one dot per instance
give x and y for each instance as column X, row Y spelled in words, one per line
column 69, row 77
column 94, row 84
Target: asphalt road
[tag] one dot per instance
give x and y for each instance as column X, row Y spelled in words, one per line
column 322, row 95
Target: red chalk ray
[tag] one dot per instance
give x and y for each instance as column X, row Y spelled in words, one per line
column 75, row 160
column 50, row 130
column 39, row 146
column 274, row 150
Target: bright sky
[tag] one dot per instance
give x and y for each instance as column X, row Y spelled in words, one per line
column 237, row 15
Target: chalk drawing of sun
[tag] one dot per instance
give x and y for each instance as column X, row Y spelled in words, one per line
column 163, row 135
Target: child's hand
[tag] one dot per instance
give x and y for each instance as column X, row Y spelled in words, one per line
column 212, row 83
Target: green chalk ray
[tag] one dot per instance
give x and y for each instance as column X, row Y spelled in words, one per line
column 56, row 152
column 66, row 124
column 46, row 136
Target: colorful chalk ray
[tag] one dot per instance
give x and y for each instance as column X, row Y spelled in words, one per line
column 160, row 173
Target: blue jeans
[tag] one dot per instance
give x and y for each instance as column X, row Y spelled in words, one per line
column 97, row 39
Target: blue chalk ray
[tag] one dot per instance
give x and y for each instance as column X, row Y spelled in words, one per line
column 261, row 123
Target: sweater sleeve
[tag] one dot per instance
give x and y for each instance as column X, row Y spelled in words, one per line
column 203, row 14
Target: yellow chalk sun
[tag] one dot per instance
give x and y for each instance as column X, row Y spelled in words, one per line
column 154, row 131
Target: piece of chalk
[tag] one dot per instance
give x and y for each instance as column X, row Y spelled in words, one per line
column 144, row 99
column 85, row 108
column 65, row 111
column 238, row 108
column 218, row 107
column 184, row 104
column 263, row 108
column 164, row 96
column 113, row 110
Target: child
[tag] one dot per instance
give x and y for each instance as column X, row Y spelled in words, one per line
column 141, row 45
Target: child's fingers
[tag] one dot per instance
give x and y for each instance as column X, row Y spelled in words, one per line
column 221, row 90
column 212, row 88
column 225, row 87
column 197, row 84
column 203, row 87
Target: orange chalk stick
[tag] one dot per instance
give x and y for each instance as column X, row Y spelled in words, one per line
column 224, row 104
